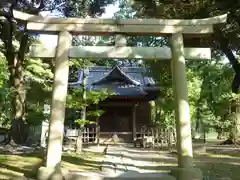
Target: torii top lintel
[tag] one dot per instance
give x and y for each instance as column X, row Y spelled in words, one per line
column 92, row 26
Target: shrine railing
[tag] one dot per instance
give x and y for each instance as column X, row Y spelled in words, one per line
column 90, row 135
column 161, row 136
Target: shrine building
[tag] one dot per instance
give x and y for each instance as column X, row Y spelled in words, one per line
column 130, row 107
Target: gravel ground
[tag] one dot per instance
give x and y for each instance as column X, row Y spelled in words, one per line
column 124, row 160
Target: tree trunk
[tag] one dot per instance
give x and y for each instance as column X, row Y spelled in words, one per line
column 18, row 103
column 198, row 116
column 15, row 66
column 237, row 132
column 79, row 141
column 236, row 129
column 235, row 85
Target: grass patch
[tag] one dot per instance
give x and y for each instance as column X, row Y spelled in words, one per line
column 84, row 162
column 14, row 166
column 216, row 165
column 219, row 166
column 220, row 163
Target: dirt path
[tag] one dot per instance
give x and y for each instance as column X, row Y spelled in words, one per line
column 124, row 160
column 128, row 161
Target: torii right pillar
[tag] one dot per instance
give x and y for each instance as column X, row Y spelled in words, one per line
column 185, row 169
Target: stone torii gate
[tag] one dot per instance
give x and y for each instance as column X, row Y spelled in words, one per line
column 177, row 29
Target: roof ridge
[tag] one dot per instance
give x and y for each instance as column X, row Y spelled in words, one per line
column 126, row 69
column 121, row 73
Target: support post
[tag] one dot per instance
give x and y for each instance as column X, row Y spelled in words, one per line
column 185, row 170
column 79, row 143
column 97, row 128
column 134, row 122
column 60, row 84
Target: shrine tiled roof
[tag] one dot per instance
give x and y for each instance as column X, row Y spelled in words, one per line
column 125, row 81
column 114, row 74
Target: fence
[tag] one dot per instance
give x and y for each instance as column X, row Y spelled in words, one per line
column 90, row 135
column 162, row 136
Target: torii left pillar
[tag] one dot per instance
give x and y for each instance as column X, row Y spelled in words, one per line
column 53, row 168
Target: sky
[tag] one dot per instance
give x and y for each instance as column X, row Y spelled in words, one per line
column 51, row 40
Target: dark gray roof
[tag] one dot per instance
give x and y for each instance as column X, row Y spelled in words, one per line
column 117, row 74
column 125, row 81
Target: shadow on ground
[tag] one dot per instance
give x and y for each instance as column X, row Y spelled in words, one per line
column 14, row 166
column 218, row 162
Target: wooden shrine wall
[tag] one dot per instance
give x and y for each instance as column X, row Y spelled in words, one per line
column 143, row 115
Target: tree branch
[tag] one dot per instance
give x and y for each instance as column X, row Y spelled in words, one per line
column 224, row 45
column 23, row 45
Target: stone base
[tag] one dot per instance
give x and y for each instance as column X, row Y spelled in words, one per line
column 49, row 173
column 187, row 174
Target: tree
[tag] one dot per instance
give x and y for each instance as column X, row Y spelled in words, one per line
column 5, row 94
column 225, row 39
column 83, row 99
column 75, row 101
column 14, row 36
column 38, row 75
column 205, row 111
column 12, row 31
